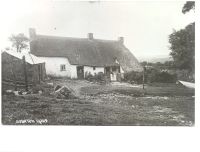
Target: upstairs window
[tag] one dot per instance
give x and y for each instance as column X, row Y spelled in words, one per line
column 62, row 67
column 94, row 68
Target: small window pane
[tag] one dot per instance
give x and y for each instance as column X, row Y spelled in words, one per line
column 62, row 67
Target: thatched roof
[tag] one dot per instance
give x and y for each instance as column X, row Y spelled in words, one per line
column 83, row 51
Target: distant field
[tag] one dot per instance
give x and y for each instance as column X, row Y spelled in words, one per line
column 113, row 104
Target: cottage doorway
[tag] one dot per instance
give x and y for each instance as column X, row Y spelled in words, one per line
column 113, row 72
column 80, row 72
column 107, row 71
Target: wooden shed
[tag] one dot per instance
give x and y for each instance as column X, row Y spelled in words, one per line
column 20, row 69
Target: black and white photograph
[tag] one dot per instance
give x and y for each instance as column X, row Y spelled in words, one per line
column 98, row 63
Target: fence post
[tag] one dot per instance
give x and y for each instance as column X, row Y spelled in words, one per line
column 143, row 79
column 25, row 74
column 14, row 76
column 38, row 70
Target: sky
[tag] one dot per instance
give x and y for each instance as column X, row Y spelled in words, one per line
column 145, row 25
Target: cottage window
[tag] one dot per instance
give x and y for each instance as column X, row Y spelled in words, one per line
column 94, row 68
column 62, row 67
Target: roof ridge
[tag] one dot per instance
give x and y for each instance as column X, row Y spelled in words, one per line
column 57, row 37
column 74, row 38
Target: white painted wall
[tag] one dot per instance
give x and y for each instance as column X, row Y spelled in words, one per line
column 53, row 67
column 92, row 71
column 121, row 70
column 73, row 71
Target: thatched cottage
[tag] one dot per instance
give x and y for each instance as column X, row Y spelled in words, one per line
column 77, row 57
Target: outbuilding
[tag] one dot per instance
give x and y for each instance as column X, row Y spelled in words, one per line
column 16, row 66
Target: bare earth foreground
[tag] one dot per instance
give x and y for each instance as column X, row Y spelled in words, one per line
column 103, row 104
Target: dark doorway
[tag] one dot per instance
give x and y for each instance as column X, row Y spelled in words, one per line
column 107, row 70
column 80, row 72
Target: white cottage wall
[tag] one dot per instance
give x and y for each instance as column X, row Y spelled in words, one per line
column 88, row 69
column 73, row 71
column 121, row 70
column 53, row 67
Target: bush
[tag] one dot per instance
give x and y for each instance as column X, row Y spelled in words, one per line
column 185, row 75
column 100, row 77
column 88, row 76
column 165, row 77
column 154, row 75
column 53, row 77
column 151, row 76
column 134, row 77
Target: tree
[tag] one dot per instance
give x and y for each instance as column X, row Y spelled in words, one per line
column 189, row 5
column 183, row 47
column 144, row 63
column 182, row 43
column 19, row 41
column 169, row 64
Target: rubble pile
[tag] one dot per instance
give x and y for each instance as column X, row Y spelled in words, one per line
column 63, row 92
column 59, row 91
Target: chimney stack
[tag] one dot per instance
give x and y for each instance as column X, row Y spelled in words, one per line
column 32, row 33
column 90, row 36
column 121, row 40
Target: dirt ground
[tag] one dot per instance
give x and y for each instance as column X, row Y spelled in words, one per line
column 104, row 104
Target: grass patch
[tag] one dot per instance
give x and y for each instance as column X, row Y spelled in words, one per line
column 106, row 105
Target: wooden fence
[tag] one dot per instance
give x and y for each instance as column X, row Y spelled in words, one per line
column 18, row 73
